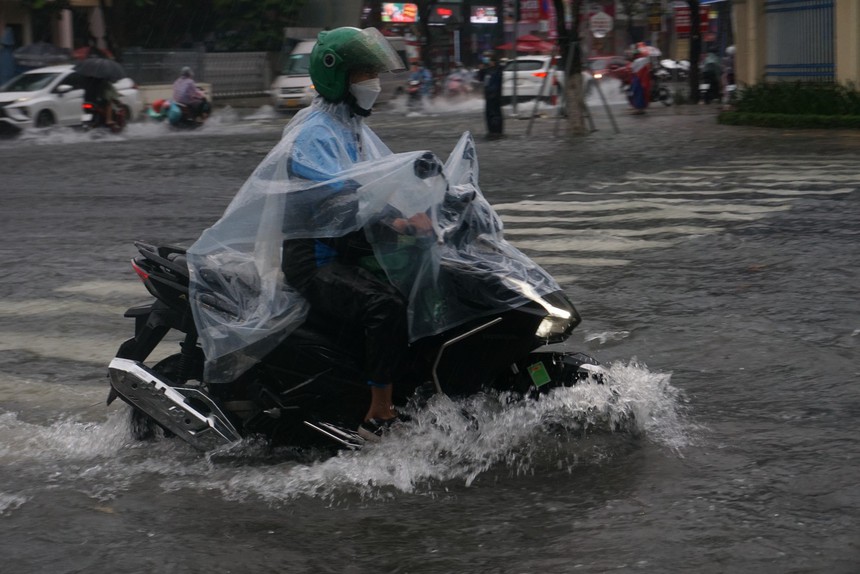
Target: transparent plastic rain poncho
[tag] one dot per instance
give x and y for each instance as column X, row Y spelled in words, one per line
column 328, row 176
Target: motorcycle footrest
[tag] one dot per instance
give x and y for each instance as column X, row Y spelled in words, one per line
column 187, row 412
column 343, row 436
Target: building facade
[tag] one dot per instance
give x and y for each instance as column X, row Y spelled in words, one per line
column 69, row 30
column 789, row 40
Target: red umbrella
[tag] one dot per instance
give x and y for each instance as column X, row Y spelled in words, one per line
column 88, row 51
column 526, row 48
column 529, row 47
column 529, row 39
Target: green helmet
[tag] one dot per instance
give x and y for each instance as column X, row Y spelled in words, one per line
column 342, row 50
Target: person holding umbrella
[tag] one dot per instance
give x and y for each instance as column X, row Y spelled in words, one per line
column 640, row 79
column 99, row 75
column 102, row 93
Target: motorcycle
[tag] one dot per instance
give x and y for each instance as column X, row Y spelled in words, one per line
column 94, row 115
column 709, row 85
column 178, row 115
column 413, row 94
column 309, row 391
column 679, row 69
column 659, row 92
column 457, row 84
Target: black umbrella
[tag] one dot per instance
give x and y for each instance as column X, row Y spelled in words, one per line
column 100, row 68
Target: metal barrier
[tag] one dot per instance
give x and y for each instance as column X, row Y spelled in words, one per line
column 229, row 73
column 162, row 66
column 800, row 40
column 238, row 73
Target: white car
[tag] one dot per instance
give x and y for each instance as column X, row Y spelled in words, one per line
column 534, row 76
column 53, row 96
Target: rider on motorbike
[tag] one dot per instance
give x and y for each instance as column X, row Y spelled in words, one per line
column 187, row 93
column 103, row 95
column 308, row 212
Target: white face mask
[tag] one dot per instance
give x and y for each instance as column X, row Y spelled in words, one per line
column 366, row 92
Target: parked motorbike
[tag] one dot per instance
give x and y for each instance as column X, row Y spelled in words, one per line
column 94, row 115
column 659, row 92
column 680, row 69
column 310, row 390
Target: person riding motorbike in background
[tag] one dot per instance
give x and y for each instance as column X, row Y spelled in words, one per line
column 711, row 74
column 304, row 204
column 424, row 78
column 187, row 93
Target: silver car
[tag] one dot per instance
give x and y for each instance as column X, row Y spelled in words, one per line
column 53, row 96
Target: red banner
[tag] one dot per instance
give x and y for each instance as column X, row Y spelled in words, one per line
column 682, row 19
column 537, row 11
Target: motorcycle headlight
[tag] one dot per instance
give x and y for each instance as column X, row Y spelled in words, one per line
column 561, row 317
column 556, row 324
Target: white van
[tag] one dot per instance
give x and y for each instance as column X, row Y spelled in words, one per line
column 293, row 89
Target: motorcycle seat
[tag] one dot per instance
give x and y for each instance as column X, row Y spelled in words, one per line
column 180, row 260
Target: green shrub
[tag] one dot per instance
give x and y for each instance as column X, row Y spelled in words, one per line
column 789, row 121
column 823, row 99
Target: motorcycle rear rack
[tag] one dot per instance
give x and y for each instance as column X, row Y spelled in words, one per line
column 186, row 412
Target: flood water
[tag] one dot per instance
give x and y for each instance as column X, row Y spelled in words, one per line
column 716, row 270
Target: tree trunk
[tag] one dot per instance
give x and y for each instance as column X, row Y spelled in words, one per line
column 695, row 49
column 424, row 11
column 575, row 105
column 571, row 62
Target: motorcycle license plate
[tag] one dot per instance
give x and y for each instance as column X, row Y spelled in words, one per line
column 86, row 117
column 539, row 374
column 704, row 86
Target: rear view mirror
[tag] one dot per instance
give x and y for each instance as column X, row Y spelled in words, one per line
column 64, row 88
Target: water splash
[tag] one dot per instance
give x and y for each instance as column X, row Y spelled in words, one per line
column 606, row 336
column 10, row 502
column 225, row 120
column 447, row 441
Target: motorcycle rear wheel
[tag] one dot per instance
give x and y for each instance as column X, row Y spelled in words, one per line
column 120, row 119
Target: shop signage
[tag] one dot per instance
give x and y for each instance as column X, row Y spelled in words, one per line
column 399, row 12
column 600, row 24
column 484, row 15
column 682, row 19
